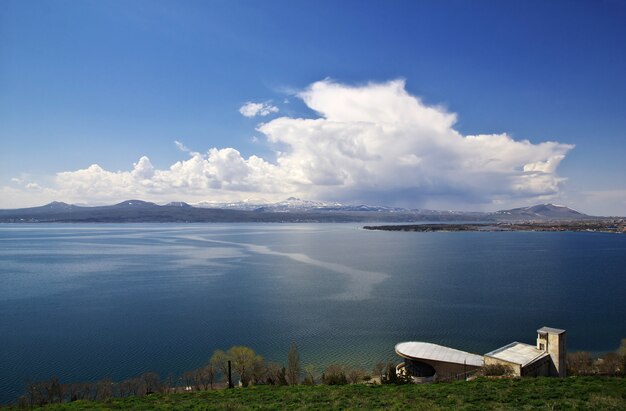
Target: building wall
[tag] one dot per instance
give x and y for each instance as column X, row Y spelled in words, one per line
column 540, row 368
column 449, row 371
column 516, row 368
column 446, row 370
column 558, row 354
column 555, row 345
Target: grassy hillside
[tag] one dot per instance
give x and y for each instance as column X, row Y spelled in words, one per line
column 593, row 393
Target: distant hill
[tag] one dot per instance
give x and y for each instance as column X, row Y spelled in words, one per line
column 138, row 211
column 289, row 210
column 542, row 212
column 126, row 211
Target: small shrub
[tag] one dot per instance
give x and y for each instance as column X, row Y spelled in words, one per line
column 609, row 364
column 335, row 374
column 390, row 376
column 580, row 363
column 354, row 375
column 496, row 370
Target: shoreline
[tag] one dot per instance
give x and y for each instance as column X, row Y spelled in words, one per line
column 604, row 226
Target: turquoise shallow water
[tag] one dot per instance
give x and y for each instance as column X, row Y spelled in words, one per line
column 84, row 302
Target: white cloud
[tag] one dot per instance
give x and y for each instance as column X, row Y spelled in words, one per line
column 181, row 146
column 13, row 197
column 377, row 140
column 251, row 109
column 372, row 143
column 607, row 202
column 220, row 174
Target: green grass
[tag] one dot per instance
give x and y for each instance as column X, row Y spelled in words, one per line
column 574, row 393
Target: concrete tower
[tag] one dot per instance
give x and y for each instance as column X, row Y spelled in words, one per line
column 552, row 341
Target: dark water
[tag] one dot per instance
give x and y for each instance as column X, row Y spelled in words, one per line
column 84, row 302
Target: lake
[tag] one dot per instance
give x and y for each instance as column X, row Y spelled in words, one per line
column 83, row 302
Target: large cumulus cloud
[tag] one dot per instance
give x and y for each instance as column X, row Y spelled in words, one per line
column 373, row 142
column 378, row 141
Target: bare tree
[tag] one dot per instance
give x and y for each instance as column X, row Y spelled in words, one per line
column 124, row 389
column 131, row 386
column 94, row 390
column 55, row 393
column 205, row 376
column 219, row 359
column 355, row 374
column 69, row 391
column 293, row 365
column 190, row 380
column 272, row 373
column 622, row 353
column 35, row 395
column 610, row 363
column 379, row 370
column 310, row 375
column 44, row 392
column 151, row 382
column 580, row 363
column 334, row 374
column 50, row 391
column 259, row 372
column 83, row 390
column 168, row 385
column 104, row 389
column 22, row 403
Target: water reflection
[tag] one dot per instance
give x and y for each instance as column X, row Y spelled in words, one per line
column 358, row 283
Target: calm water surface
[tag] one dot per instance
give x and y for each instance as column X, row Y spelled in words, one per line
column 84, row 302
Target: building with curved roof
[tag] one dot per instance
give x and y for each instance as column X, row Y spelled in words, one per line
column 427, row 362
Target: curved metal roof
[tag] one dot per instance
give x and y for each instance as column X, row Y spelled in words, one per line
column 427, row 351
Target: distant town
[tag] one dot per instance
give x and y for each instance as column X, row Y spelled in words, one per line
column 603, row 226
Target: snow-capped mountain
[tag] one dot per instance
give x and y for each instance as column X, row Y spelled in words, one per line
column 290, row 210
column 542, row 211
column 293, row 204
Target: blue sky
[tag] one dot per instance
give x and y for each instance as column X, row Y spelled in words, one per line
column 109, row 82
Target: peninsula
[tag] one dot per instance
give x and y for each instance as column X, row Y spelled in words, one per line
column 603, row 226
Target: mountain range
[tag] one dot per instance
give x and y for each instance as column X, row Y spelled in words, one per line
column 289, row 210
